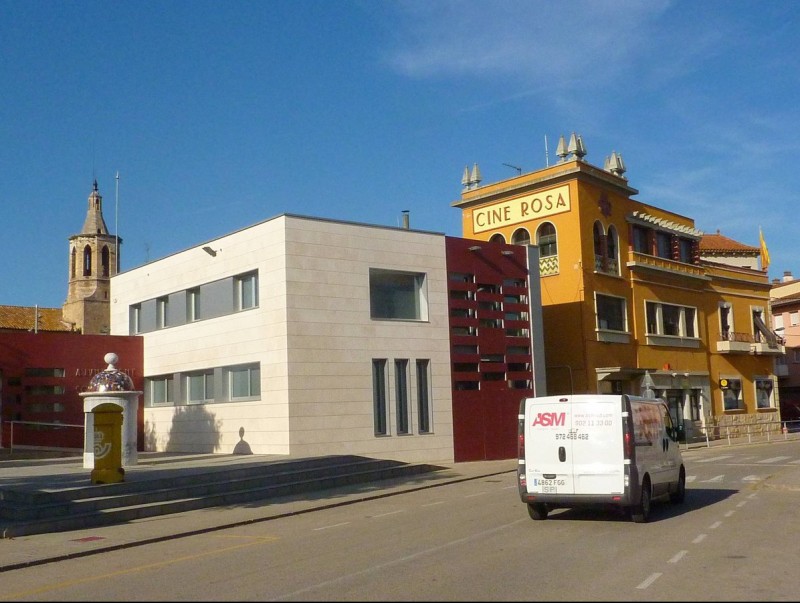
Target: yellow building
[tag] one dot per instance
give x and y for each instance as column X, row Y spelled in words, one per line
column 634, row 296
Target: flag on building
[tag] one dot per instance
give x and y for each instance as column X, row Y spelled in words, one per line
column 764, row 250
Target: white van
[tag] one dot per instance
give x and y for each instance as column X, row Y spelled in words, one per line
column 616, row 450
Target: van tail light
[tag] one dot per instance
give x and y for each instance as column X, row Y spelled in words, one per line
column 627, row 444
column 521, row 438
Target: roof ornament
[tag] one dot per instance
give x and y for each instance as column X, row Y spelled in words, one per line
column 471, row 180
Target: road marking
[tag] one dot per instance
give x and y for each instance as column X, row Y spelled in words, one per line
column 714, row 458
column 752, row 478
column 741, row 504
column 715, row 480
column 715, row 525
column 336, row 525
column 652, row 578
column 699, row 539
column 729, row 513
column 690, row 478
column 389, row 513
column 433, row 504
column 775, row 459
column 680, row 555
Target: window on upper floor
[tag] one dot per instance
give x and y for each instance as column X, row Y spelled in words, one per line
column 664, row 245
column 497, row 238
column 611, row 312
column 246, row 290
column 105, row 260
column 395, row 295
column 725, row 321
column 641, row 239
column 794, row 319
column 546, row 240
column 521, row 236
column 686, row 251
column 162, row 304
column 671, row 320
column 87, row 261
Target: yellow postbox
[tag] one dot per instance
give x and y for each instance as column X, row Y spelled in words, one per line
column 107, row 444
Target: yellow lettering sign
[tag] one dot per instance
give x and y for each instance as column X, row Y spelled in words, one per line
column 530, row 207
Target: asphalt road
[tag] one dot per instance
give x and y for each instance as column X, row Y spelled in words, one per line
column 734, row 538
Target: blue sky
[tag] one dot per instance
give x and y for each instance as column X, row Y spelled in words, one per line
column 218, row 115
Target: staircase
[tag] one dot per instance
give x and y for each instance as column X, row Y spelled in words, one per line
column 34, row 508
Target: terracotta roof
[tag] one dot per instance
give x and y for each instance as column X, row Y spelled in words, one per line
column 717, row 243
column 22, row 318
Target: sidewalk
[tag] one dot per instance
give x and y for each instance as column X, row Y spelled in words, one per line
column 55, row 473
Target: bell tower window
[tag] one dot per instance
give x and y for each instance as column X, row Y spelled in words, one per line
column 87, row 261
column 105, row 260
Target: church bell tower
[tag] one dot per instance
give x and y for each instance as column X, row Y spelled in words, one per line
column 93, row 260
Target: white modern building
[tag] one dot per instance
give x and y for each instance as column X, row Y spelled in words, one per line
column 296, row 336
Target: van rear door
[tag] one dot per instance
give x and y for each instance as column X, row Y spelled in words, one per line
column 574, row 445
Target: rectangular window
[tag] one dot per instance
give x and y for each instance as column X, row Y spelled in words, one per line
column 380, row 413
column 193, row 304
column 135, row 319
column 641, row 243
column 731, row 393
column 610, row 312
column 777, row 322
column 671, row 320
column 725, row 322
column 423, row 396
column 244, row 382
column 764, row 392
column 160, row 390
column 685, row 251
column 246, row 292
column 664, row 245
column 794, row 319
column 161, row 312
column 200, row 387
column 397, row 295
column 44, row 372
column 401, row 394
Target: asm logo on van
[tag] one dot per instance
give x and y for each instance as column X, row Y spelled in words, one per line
column 550, row 419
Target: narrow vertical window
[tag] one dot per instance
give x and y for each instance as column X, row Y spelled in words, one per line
column 193, row 305
column 87, row 261
column 379, row 396
column 162, row 304
column 423, row 396
column 105, row 260
column 401, row 394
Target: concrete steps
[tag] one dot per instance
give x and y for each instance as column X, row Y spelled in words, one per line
column 26, row 511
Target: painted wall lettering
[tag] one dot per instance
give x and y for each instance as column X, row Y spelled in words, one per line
column 530, row 207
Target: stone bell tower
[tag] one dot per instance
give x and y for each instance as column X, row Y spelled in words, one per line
column 93, row 260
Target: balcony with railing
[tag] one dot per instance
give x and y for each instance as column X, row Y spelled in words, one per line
column 638, row 260
column 733, row 342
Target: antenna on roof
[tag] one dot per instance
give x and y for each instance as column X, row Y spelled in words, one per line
column 514, row 167
column 546, row 156
column 116, row 222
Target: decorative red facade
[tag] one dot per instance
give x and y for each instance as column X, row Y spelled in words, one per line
column 490, row 345
column 42, row 375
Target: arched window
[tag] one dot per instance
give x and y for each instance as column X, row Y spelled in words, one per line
column 105, row 260
column 546, row 240
column 521, row 236
column 497, row 238
column 612, row 248
column 612, row 240
column 73, row 262
column 87, row 261
column 599, row 235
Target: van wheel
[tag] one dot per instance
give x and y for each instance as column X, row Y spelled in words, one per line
column 641, row 512
column 679, row 494
column 537, row 511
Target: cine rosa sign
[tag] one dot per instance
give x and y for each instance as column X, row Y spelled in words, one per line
column 522, row 209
